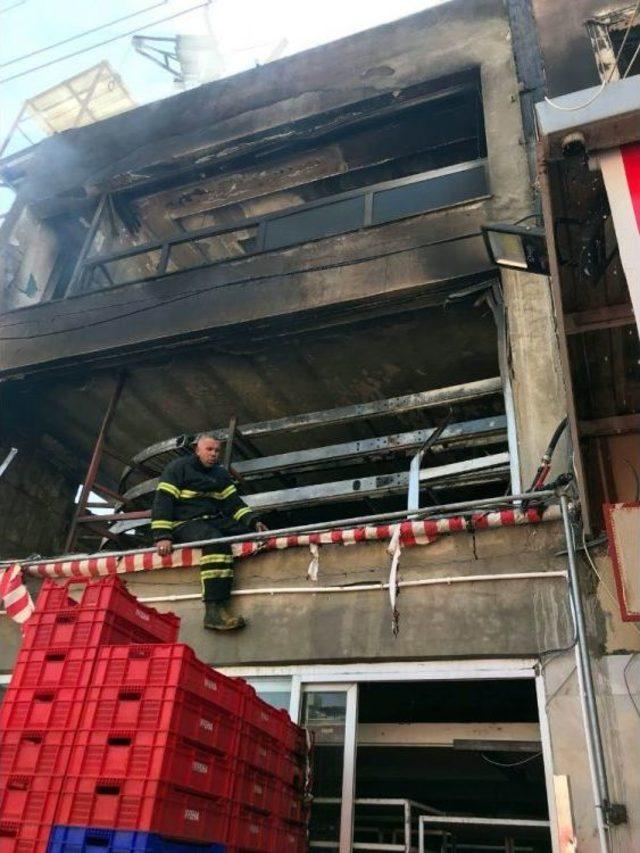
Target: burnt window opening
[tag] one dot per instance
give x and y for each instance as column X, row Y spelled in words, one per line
column 318, row 469
column 423, row 156
column 615, row 38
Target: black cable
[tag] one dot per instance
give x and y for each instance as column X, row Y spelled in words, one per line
column 208, row 289
column 106, row 41
column 512, row 763
column 81, row 35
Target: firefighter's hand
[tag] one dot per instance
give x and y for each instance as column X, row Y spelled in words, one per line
column 261, row 527
column 164, row 547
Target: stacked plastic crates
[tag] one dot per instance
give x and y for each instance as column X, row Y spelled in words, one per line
column 117, row 738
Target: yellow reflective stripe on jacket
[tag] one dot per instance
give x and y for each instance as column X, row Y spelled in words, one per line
column 240, row 513
column 169, row 488
column 162, row 525
column 225, row 493
column 208, row 574
column 215, row 558
column 186, row 494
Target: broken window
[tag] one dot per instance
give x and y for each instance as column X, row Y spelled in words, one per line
column 615, row 37
column 351, row 418
column 406, row 159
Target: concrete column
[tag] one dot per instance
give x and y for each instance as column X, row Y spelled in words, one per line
column 538, row 383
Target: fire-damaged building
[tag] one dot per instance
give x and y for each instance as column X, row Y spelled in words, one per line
column 401, row 288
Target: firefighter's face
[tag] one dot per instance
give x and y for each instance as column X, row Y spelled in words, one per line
column 208, row 451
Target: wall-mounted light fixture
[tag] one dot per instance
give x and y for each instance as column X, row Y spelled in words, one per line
column 517, row 247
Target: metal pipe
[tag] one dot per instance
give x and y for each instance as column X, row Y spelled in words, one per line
column 595, row 752
column 359, row 521
column 407, row 827
column 94, row 465
column 363, row 587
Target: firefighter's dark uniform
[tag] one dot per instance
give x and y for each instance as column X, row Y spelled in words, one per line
column 192, row 503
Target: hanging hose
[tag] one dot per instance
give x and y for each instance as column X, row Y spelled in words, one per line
column 545, row 463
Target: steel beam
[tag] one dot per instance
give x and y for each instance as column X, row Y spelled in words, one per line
column 455, row 433
column 332, row 453
column 94, row 465
column 345, row 414
column 378, row 486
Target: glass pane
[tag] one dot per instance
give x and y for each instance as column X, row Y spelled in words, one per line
column 322, row 221
column 430, row 194
column 275, row 691
column 324, row 714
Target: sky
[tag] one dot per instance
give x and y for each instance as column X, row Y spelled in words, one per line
column 247, row 32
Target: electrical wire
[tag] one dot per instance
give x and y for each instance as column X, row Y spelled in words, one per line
column 631, row 61
column 83, row 34
column 606, row 588
column 607, row 79
column 626, row 682
column 512, row 763
column 13, row 6
column 105, row 41
column 255, row 278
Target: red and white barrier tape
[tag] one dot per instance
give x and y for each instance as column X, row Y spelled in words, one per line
column 19, row 605
column 14, row 594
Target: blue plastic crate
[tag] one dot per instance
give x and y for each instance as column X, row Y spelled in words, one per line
column 77, row 839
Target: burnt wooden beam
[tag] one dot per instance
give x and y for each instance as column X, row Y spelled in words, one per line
column 616, row 425
column 595, row 319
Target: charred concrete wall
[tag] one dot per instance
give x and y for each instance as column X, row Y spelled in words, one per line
column 36, row 501
column 567, row 53
column 283, row 102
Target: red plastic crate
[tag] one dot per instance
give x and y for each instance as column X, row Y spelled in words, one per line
column 142, row 805
column 290, row 804
column 106, row 614
column 29, row 798
column 256, row 789
column 35, row 752
column 41, row 708
column 152, row 755
column 24, row 837
column 175, row 665
column 291, row 838
column 252, row 831
column 53, row 667
column 80, row 626
column 258, row 749
column 168, row 709
column 290, row 769
column 273, row 721
column 108, row 593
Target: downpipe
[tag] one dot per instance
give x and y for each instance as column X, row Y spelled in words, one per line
column 595, row 751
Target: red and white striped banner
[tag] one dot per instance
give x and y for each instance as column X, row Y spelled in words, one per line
column 19, row 605
column 14, row 594
column 621, row 173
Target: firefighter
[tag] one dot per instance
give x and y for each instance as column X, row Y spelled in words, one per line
column 196, row 499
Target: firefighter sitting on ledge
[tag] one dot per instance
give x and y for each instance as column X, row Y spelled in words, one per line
column 196, row 499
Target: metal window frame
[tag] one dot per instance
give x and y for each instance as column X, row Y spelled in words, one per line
column 304, row 675
column 331, row 417
column 599, row 28
column 86, row 263
column 475, row 821
column 347, row 807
